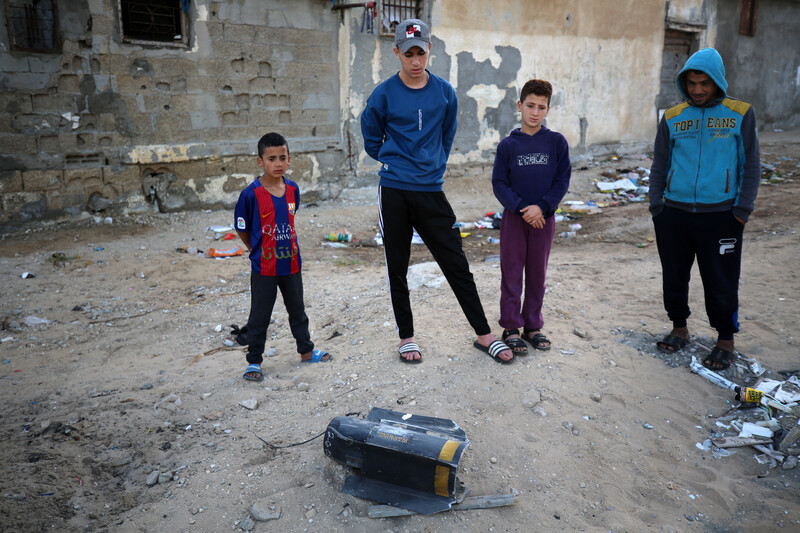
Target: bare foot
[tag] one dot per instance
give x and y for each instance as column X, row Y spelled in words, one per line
column 486, row 340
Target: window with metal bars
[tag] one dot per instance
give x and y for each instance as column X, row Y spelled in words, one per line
column 395, row 11
column 33, row 25
column 154, row 21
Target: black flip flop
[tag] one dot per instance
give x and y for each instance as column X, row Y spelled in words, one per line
column 671, row 344
column 494, row 350
column 720, row 356
column 537, row 340
column 516, row 344
column 410, row 347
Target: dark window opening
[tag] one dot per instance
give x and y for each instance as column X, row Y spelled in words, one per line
column 33, row 25
column 156, row 21
column 747, row 17
column 396, row 11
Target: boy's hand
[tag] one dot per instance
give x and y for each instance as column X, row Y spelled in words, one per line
column 533, row 215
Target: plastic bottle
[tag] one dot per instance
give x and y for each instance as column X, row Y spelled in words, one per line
column 494, row 240
column 191, row 250
column 342, row 236
column 575, row 227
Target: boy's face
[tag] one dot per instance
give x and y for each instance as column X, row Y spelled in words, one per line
column 274, row 161
column 413, row 62
column 534, row 109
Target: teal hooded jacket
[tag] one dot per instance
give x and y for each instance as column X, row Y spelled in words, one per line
column 706, row 159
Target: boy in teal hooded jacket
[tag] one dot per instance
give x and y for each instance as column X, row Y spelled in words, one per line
column 703, row 185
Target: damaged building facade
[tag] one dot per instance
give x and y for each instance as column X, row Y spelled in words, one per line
column 156, row 105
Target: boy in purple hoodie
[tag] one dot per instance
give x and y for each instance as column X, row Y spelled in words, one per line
column 530, row 177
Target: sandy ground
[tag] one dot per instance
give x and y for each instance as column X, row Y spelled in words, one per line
column 130, row 376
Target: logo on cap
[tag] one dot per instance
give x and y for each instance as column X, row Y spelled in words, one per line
column 413, row 30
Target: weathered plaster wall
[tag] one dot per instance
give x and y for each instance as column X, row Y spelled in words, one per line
column 603, row 59
column 764, row 69
column 137, row 126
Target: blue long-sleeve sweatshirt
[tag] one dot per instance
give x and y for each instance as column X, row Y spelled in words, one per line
column 410, row 132
column 706, row 159
column 532, row 170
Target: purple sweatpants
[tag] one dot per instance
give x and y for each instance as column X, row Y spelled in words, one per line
column 523, row 250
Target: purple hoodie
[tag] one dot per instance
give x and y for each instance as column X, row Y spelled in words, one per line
column 532, row 170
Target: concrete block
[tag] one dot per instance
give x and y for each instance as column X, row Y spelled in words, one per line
column 224, row 102
column 121, row 176
column 205, row 84
column 42, row 180
column 87, row 123
column 21, row 206
column 183, row 103
column 240, row 33
column 34, row 124
column 326, row 130
column 232, row 118
column 128, row 85
column 106, row 122
column 264, row 119
column 177, row 67
column 226, row 49
column 44, row 63
column 309, row 70
column 80, row 176
column 308, row 54
column 246, row 164
column 299, row 86
column 57, row 201
column 190, row 169
column 68, row 83
column 220, row 166
column 13, row 102
column 53, row 103
column 104, row 24
column 87, row 142
column 68, row 142
column 168, row 124
column 15, row 143
column 10, row 181
column 49, row 143
column 204, row 119
column 313, row 116
column 234, row 85
column 215, row 30
column 157, row 102
column 262, row 85
column 141, row 125
column 107, row 140
column 11, row 63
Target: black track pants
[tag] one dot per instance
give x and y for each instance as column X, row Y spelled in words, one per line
column 716, row 240
column 431, row 215
column 263, row 292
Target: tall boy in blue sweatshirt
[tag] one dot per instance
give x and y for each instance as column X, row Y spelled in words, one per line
column 530, row 177
column 408, row 125
column 703, row 185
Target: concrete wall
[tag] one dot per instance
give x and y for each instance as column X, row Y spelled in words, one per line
column 103, row 123
column 764, row 69
column 603, row 59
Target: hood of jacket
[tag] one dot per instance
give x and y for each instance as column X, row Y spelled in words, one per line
column 706, row 60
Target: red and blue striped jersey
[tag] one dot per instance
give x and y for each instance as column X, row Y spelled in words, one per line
column 269, row 221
